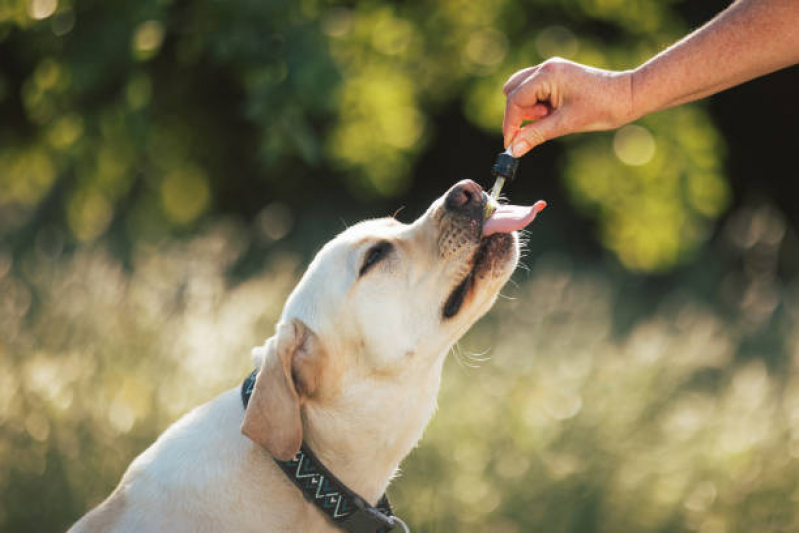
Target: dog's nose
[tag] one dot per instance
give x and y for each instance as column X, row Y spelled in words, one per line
column 464, row 197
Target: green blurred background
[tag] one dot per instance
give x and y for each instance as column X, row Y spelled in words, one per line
column 167, row 167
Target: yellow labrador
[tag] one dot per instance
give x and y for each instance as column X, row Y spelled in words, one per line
column 353, row 370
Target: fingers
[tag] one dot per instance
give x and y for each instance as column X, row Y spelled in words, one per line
column 529, row 100
column 515, row 117
column 538, row 132
column 516, row 78
column 512, row 121
column 536, row 112
column 515, row 113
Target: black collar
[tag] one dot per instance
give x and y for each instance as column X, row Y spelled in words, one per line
column 346, row 509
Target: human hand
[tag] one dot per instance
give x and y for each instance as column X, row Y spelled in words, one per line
column 561, row 97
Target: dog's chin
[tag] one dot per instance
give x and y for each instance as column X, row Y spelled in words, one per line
column 491, row 265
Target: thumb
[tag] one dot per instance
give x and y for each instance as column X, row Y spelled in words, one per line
column 538, row 132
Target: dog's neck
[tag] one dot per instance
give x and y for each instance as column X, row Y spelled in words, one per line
column 363, row 436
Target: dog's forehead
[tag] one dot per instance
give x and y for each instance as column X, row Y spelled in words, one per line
column 333, row 270
column 375, row 229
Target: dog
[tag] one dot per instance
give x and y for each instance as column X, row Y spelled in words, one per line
column 353, row 371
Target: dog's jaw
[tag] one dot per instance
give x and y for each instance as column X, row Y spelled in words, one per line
column 491, row 264
column 367, row 465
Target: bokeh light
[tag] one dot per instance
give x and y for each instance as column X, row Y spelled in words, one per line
column 557, row 41
column 634, row 145
column 148, row 38
column 41, row 9
column 275, row 221
column 168, row 168
column 63, row 22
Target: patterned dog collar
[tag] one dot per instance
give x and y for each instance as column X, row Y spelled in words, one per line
column 319, row 486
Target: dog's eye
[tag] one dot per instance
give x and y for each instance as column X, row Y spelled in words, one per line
column 375, row 254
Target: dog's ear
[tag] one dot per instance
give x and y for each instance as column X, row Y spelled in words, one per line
column 289, row 374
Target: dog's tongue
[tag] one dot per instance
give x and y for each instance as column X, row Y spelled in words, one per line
column 507, row 218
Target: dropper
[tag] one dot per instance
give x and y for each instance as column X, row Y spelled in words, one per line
column 504, row 168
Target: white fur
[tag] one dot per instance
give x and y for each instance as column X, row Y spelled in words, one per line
column 387, row 339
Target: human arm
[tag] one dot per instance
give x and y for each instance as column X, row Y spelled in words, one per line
column 748, row 39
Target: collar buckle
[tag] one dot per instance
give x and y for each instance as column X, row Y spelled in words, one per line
column 368, row 519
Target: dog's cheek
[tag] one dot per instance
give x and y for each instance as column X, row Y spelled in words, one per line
column 325, row 380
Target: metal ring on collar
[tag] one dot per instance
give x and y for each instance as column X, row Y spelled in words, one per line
column 402, row 524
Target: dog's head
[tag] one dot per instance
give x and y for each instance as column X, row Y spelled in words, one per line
column 378, row 309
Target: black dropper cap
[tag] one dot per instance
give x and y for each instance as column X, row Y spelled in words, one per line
column 505, row 166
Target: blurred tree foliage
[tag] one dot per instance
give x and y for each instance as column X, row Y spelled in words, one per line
column 567, row 427
column 137, row 118
column 147, row 146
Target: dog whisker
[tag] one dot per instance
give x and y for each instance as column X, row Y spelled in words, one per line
column 473, row 360
column 506, row 297
column 458, row 356
column 480, row 354
column 479, row 359
column 469, row 360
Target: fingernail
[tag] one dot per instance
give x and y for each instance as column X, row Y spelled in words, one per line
column 520, row 148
